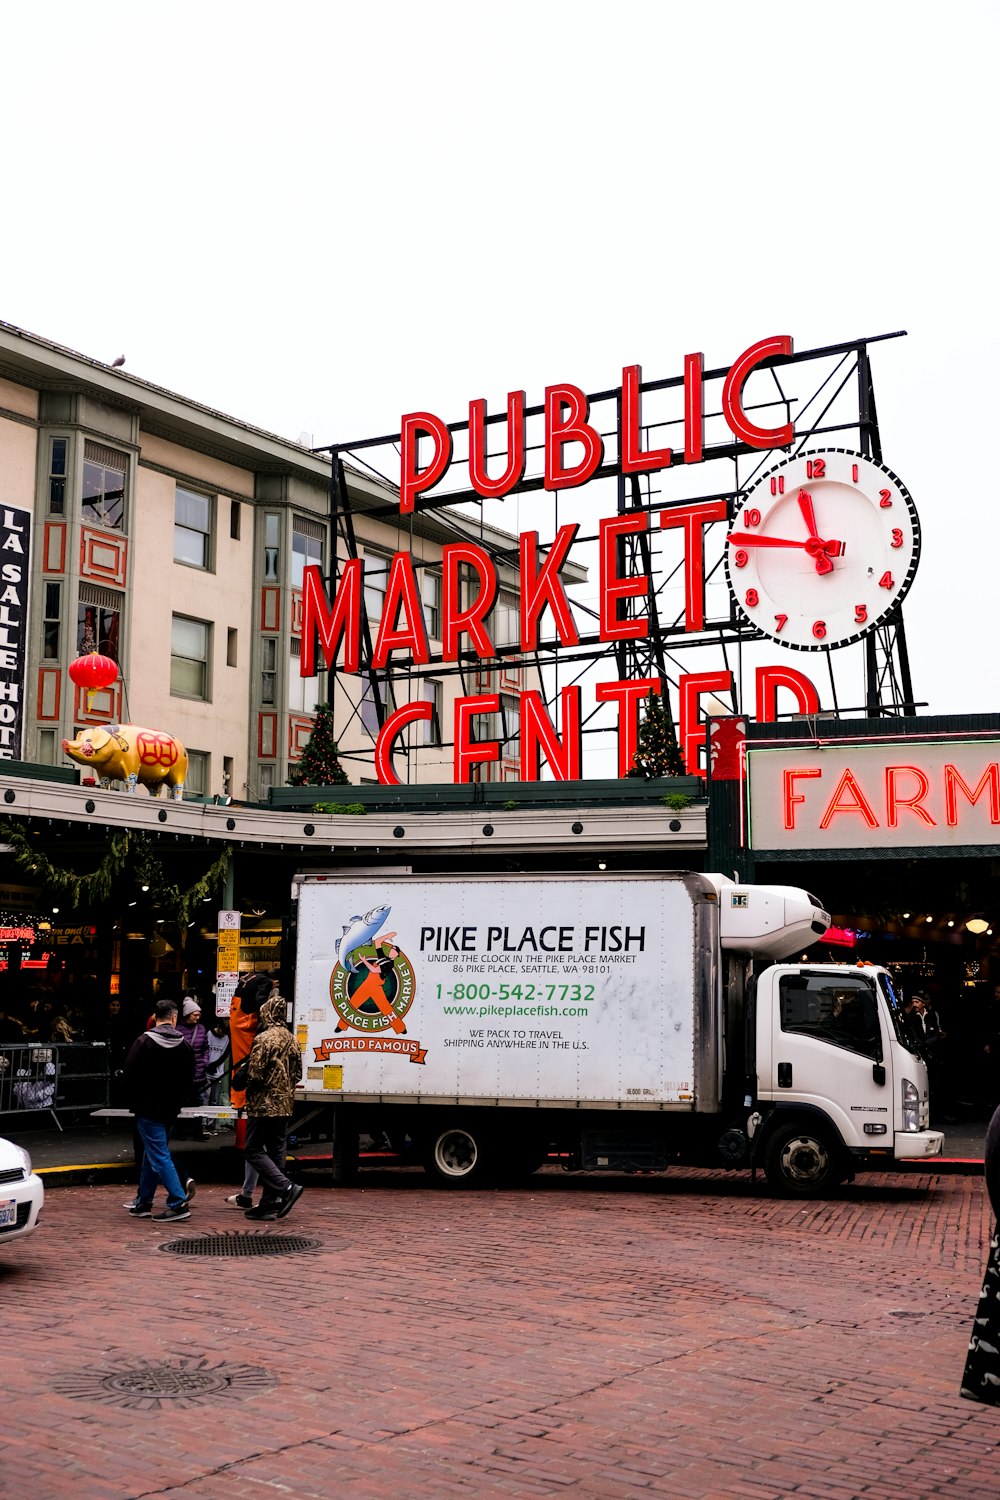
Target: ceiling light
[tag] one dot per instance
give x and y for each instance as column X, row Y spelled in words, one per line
column 906, row 916
column 951, row 924
column 144, row 888
column 928, row 919
column 977, row 925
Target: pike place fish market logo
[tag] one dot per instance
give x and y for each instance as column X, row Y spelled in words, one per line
column 372, row 988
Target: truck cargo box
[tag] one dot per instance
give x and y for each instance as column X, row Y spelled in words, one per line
column 592, row 991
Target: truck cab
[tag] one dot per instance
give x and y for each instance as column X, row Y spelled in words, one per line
column 839, row 1084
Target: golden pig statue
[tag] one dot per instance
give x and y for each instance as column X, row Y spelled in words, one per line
column 124, row 752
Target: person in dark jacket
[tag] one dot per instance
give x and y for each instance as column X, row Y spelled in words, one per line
column 981, row 1379
column 156, row 1081
column 195, row 1033
column 274, row 1068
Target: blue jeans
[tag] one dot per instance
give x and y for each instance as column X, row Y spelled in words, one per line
column 158, row 1164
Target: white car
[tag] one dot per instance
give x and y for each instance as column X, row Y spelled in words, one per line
column 21, row 1192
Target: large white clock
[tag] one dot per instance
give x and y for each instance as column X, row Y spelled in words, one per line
column 822, row 549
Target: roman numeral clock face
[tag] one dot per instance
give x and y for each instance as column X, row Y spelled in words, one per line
column 822, row 549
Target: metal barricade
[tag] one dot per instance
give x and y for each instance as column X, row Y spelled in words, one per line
column 67, row 1077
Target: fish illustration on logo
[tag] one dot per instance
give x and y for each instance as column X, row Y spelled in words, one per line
column 373, row 994
column 357, row 932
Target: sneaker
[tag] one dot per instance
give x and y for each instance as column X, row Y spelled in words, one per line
column 190, row 1188
column 239, row 1200
column 265, row 1211
column 181, row 1212
column 140, row 1210
column 290, row 1199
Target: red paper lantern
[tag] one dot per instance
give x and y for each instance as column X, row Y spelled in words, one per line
column 93, row 672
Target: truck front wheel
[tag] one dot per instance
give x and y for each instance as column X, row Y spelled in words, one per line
column 456, row 1155
column 800, row 1161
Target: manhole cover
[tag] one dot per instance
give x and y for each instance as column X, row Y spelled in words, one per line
column 143, row 1386
column 241, row 1244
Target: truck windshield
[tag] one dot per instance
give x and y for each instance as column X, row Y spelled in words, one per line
column 895, row 1006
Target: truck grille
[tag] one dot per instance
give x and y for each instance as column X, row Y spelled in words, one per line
column 12, row 1174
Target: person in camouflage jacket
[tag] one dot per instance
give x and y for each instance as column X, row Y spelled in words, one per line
column 274, row 1068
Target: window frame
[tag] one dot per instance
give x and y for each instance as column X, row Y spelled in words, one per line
column 205, row 662
column 92, row 508
column 824, row 1029
column 207, row 535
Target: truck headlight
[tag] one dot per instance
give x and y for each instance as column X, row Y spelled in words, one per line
column 911, row 1105
column 26, row 1159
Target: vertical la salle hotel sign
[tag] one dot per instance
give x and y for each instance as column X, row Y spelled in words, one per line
column 15, row 541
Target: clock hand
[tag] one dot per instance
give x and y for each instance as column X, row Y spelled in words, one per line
column 808, row 514
column 818, row 550
column 746, row 539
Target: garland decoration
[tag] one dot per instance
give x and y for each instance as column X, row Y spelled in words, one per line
column 124, row 847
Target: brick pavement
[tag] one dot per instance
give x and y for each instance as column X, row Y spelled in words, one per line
column 687, row 1337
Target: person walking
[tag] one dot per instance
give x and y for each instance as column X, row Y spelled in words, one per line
column 981, row 1378
column 274, row 1068
column 244, row 1019
column 156, row 1081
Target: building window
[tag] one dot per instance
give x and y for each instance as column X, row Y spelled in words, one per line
column 430, row 589
column 268, row 669
column 47, row 747
column 304, row 693
column 98, row 621
column 190, row 642
column 50, row 624
column 198, row 774
column 369, row 711
column 57, row 476
column 376, row 578
column 231, row 647
column 272, row 535
column 510, row 748
column 432, row 694
column 104, row 474
column 265, row 781
column 234, row 520
column 192, row 528
column 307, row 547
column 506, row 620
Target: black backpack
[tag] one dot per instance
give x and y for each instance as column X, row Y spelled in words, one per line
column 252, row 991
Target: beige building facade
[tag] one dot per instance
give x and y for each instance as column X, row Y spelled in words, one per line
column 173, row 539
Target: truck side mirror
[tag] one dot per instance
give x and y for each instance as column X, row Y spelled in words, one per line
column 878, row 1073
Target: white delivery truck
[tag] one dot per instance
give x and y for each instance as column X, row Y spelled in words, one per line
column 623, row 1021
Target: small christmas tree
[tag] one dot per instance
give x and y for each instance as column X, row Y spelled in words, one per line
column 320, row 763
column 657, row 751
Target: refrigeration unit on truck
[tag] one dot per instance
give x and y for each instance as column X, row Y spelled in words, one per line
column 626, row 1022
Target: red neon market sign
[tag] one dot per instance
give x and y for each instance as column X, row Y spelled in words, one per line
column 573, row 454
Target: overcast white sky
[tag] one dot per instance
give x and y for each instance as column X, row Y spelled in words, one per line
column 317, row 217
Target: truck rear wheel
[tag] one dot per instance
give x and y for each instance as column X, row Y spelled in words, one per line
column 457, row 1155
column 800, row 1161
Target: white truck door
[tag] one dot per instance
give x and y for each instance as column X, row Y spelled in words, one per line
column 828, row 1049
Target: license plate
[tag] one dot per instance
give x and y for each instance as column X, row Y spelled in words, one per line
column 8, row 1212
